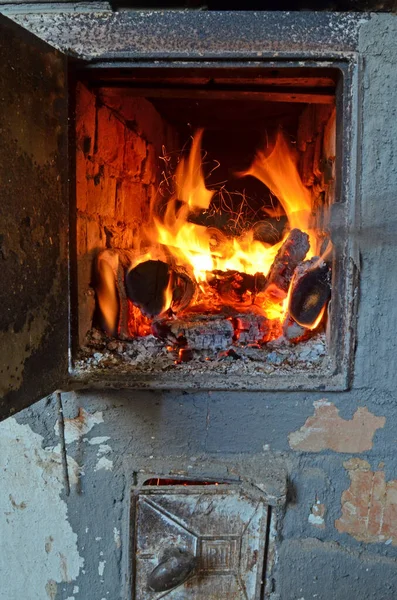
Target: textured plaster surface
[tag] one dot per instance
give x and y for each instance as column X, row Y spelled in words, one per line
column 327, row 430
column 177, row 433
column 369, row 506
column 38, row 544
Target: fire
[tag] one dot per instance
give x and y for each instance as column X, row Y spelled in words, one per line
column 190, row 243
column 317, row 322
column 279, row 172
column 172, row 236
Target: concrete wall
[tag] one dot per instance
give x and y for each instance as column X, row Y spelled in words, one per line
column 339, row 535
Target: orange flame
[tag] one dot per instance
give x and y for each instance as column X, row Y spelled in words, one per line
column 189, row 243
column 170, row 236
column 279, row 172
column 318, row 320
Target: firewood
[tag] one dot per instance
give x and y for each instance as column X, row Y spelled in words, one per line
column 146, row 285
column 291, row 253
column 218, row 241
column 112, row 304
column 292, row 331
column 184, row 289
column 250, row 328
column 310, row 291
column 266, row 232
column 233, row 286
column 196, row 333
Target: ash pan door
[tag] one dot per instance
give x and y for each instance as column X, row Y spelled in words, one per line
column 199, row 543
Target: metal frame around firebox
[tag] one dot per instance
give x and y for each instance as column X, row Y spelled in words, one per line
column 343, row 219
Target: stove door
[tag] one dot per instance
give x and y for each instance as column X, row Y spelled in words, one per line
column 33, row 219
column 199, row 544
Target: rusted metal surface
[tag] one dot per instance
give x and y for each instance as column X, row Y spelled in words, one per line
column 222, row 527
column 33, row 219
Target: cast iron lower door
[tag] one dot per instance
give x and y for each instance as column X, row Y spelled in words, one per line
column 194, row 542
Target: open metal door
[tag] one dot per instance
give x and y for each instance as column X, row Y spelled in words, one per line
column 33, row 219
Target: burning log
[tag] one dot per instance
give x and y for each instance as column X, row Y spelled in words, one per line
column 218, row 241
column 266, row 232
column 232, row 286
column 184, row 289
column 291, row 253
column 110, row 291
column 146, row 286
column 196, row 333
column 310, row 291
column 251, row 328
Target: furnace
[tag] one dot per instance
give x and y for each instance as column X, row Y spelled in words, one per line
column 188, row 199
column 203, row 223
column 207, row 205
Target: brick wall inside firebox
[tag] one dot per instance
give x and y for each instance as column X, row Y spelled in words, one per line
column 118, row 143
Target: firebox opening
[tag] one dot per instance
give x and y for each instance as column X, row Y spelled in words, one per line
column 203, row 203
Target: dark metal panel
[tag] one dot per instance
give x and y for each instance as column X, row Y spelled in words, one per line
column 33, row 219
column 187, row 35
column 221, row 529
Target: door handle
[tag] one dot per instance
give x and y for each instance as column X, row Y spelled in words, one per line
column 174, row 568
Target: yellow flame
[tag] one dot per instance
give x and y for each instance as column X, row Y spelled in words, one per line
column 189, row 243
column 167, row 301
column 279, row 172
column 169, row 232
column 190, row 180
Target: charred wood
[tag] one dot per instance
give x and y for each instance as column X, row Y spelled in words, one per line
column 267, row 232
column 251, row 329
column 233, row 286
column 291, row 253
column 112, row 313
column 310, row 291
column 196, row 333
column 184, row 289
column 146, row 285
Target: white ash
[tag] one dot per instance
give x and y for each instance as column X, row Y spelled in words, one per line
column 150, row 354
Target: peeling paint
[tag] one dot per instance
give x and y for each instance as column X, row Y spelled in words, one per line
column 101, row 567
column 369, row 505
column 32, row 476
column 48, row 544
column 316, row 516
column 51, row 589
column 104, row 463
column 74, row 469
column 326, row 430
column 96, row 441
column 81, row 425
column 116, row 537
column 104, row 449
